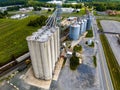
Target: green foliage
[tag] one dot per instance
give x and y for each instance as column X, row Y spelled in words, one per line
column 3, row 14
column 40, row 21
column 92, row 45
column 12, row 2
column 112, row 63
column 103, row 6
column 37, row 8
column 15, row 8
column 94, row 61
column 90, row 33
column 72, row 5
column 86, row 42
column 74, row 62
column 13, row 35
column 77, row 48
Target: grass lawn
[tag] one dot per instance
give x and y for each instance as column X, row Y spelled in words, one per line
column 13, row 35
column 74, row 14
column 112, row 63
column 89, row 34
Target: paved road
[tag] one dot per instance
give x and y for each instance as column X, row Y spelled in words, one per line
column 112, row 26
column 105, row 78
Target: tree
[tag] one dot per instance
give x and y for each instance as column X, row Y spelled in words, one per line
column 40, row 21
column 74, row 61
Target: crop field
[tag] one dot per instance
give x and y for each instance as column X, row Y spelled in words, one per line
column 13, row 35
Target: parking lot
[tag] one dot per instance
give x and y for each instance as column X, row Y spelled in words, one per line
column 112, row 26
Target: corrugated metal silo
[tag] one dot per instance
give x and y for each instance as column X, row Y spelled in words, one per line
column 89, row 22
column 82, row 27
column 74, row 31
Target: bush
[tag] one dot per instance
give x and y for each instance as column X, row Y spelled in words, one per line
column 90, row 33
column 94, row 61
column 86, row 42
column 77, row 48
column 74, row 62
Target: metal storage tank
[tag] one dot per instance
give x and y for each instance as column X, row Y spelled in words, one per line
column 89, row 22
column 85, row 24
column 82, row 27
column 74, row 31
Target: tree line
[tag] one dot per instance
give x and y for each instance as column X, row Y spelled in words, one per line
column 103, row 6
column 40, row 21
column 12, row 2
column 3, row 14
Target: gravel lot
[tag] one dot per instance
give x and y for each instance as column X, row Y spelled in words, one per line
column 84, row 78
column 112, row 26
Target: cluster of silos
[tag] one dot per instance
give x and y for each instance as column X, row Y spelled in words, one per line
column 44, row 51
column 89, row 22
column 79, row 27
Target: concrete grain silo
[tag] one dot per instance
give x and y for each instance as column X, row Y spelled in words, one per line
column 45, row 56
column 52, row 48
column 44, row 51
column 74, row 31
column 31, row 41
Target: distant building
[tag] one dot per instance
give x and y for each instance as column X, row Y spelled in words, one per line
column 55, row 2
column 3, row 9
column 46, row 8
column 72, row 18
column 67, row 10
column 19, row 16
column 28, row 9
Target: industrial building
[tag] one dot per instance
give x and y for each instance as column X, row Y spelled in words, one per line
column 80, row 27
column 44, row 47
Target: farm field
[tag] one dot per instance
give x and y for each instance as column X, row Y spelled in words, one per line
column 13, row 35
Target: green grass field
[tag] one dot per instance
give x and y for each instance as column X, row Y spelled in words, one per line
column 13, row 35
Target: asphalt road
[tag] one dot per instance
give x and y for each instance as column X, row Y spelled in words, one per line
column 112, row 26
column 105, row 78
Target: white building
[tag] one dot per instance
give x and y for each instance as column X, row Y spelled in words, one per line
column 67, row 10
column 55, row 2
column 3, row 9
column 19, row 16
column 44, row 51
column 28, row 9
column 46, row 8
